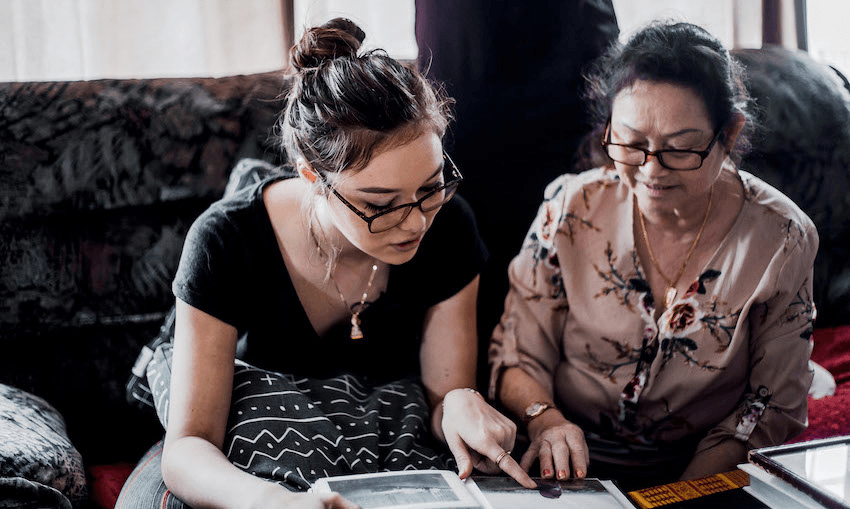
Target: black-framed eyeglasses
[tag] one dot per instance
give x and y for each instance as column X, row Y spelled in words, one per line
column 671, row 158
column 434, row 199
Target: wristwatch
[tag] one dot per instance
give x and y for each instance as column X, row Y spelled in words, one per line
column 535, row 410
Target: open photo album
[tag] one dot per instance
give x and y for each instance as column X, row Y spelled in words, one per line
column 443, row 489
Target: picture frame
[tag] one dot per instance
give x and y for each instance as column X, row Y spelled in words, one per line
column 819, row 468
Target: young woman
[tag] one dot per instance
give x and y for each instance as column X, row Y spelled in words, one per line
column 359, row 269
column 660, row 313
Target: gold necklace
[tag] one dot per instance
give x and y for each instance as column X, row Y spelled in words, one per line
column 356, row 309
column 670, row 294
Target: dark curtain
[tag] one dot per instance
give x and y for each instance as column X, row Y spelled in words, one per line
column 773, row 22
column 515, row 70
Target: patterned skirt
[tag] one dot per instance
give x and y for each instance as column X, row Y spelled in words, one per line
column 293, row 430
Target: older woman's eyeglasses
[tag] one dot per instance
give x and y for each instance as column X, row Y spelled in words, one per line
column 672, row 159
column 434, row 199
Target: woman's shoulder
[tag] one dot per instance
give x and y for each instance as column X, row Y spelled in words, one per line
column 773, row 201
column 585, row 190
column 596, row 179
column 239, row 206
column 768, row 206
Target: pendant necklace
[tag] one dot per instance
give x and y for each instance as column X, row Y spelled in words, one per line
column 670, row 294
column 358, row 307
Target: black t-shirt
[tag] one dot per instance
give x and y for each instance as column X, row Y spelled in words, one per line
column 232, row 269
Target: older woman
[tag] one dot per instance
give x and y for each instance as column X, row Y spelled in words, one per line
column 659, row 318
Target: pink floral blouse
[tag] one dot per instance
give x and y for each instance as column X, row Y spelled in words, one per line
column 729, row 358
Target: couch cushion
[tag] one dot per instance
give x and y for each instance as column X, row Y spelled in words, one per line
column 105, row 482
column 828, row 416
column 35, row 452
column 832, row 351
column 102, row 179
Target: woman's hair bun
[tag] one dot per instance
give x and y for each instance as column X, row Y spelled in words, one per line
column 339, row 37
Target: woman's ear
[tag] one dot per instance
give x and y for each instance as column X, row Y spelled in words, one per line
column 733, row 131
column 305, row 171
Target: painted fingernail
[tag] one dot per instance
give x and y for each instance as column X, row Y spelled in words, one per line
column 579, row 473
column 547, row 473
column 562, row 474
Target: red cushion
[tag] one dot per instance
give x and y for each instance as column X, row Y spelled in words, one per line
column 832, row 351
column 106, row 481
column 828, row 417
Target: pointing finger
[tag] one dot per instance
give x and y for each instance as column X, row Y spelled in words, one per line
column 461, row 454
column 513, row 469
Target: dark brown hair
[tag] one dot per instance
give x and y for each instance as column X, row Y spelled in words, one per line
column 343, row 106
column 678, row 53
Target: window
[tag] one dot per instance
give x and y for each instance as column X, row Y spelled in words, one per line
column 826, row 27
column 737, row 23
column 388, row 23
column 91, row 39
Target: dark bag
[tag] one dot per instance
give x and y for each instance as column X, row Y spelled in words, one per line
column 138, row 392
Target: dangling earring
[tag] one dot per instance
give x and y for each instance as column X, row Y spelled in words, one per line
column 306, row 171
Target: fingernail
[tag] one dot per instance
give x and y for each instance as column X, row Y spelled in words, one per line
column 579, row 473
column 547, row 473
column 562, row 474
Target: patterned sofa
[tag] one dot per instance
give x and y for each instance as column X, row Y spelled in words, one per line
column 99, row 181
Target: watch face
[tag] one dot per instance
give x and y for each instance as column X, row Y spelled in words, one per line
column 535, row 409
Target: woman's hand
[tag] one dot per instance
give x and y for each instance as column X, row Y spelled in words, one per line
column 323, row 501
column 479, row 436
column 558, row 444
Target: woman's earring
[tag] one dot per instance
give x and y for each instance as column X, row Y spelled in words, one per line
column 306, row 171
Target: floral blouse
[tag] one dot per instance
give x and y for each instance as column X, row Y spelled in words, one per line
column 729, row 357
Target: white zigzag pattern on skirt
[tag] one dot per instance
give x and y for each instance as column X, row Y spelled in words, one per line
column 278, row 423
